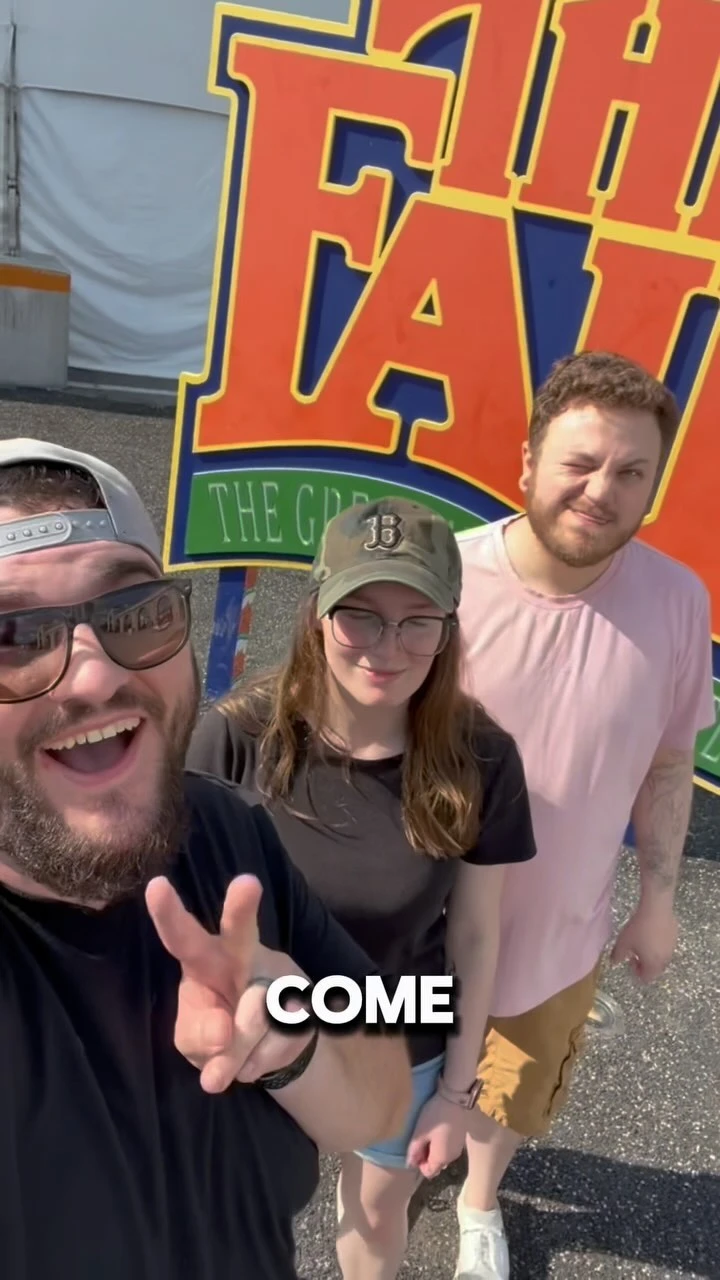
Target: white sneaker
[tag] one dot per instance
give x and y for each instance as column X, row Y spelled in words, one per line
column 483, row 1251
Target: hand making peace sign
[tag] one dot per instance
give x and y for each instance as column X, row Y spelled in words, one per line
column 222, row 1023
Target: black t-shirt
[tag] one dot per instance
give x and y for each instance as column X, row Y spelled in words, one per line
column 114, row 1163
column 354, row 854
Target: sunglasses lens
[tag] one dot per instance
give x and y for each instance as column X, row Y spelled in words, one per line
column 142, row 628
column 32, row 655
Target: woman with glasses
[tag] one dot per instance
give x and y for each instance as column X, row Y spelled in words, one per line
column 401, row 802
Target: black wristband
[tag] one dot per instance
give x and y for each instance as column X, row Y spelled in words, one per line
column 293, row 1071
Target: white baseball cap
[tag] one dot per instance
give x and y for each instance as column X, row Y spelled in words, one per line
column 124, row 517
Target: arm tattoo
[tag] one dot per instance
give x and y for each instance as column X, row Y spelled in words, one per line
column 661, row 817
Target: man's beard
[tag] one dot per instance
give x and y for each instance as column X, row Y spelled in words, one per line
column 577, row 552
column 36, row 841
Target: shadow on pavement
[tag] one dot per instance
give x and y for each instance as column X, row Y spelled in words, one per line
column 560, row 1202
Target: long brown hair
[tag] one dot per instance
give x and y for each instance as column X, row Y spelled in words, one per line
column 441, row 770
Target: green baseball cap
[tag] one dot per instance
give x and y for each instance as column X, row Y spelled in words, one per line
column 391, row 540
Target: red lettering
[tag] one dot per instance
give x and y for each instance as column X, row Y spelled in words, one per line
column 686, row 527
column 284, row 204
column 641, row 298
column 668, row 94
column 493, row 86
column 476, row 348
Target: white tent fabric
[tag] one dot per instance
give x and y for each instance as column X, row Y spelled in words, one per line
column 126, row 195
column 121, row 156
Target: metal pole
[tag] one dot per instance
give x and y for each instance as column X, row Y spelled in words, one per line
column 12, row 151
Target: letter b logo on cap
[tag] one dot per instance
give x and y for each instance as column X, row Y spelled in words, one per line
column 385, row 533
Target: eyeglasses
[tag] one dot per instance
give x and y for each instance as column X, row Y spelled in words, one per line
column 138, row 627
column 421, row 637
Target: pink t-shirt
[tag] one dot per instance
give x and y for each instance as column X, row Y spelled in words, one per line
column 590, row 686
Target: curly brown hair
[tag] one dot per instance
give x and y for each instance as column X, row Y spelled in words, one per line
column 604, row 379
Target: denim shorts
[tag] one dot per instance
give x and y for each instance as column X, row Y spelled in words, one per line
column 393, row 1154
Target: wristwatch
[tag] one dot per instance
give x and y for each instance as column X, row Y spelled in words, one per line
column 466, row 1098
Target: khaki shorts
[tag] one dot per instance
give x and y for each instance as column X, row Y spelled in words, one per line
column 529, row 1059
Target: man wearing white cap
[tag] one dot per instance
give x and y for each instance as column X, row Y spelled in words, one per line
column 156, row 1125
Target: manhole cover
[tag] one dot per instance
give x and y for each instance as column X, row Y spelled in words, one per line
column 605, row 1019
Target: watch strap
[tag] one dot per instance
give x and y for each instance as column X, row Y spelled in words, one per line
column 466, row 1098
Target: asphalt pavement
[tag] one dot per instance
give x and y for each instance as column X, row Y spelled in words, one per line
column 627, row 1185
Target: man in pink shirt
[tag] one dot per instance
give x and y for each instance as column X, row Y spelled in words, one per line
column 595, row 652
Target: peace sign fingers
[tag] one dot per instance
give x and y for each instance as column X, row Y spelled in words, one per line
column 239, row 928
column 202, row 960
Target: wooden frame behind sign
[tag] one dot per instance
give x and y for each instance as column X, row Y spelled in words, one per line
column 423, row 207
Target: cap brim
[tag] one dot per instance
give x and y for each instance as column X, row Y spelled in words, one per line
column 403, row 573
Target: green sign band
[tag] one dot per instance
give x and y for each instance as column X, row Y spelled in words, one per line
column 281, row 513
column 707, row 749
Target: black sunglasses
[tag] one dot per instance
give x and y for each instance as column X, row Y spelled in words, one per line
column 138, row 627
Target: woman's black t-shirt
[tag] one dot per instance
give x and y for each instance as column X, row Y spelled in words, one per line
column 354, row 853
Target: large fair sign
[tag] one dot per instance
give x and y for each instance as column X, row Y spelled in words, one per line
column 423, row 207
